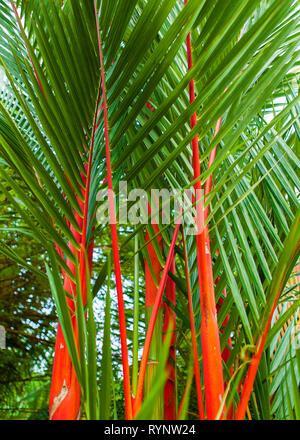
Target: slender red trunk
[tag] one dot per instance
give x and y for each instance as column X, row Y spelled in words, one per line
column 194, row 337
column 151, row 283
column 208, row 183
column 114, row 234
column 212, row 359
column 65, row 393
column 64, row 401
column 251, row 374
column 170, row 324
column 152, row 322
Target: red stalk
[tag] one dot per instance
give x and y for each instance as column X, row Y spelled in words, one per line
column 121, row 308
column 208, row 186
column 170, row 323
column 144, row 360
column 82, row 266
column 226, row 351
column 64, row 401
column 208, row 183
column 65, row 393
column 251, row 374
column 151, row 283
column 212, row 360
column 194, row 337
column 165, row 406
column 64, row 381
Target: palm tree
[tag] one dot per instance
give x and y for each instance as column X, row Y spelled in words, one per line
column 198, row 95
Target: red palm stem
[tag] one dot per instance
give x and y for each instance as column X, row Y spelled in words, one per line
column 194, row 337
column 152, row 280
column 144, row 360
column 208, row 183
column 251, row 374
column 121, row 308
column 150, row 283
column 170, row 324
column 212, row 360
column 82, row 264
column 65, row 393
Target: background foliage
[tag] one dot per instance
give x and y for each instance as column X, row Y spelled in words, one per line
column 246, row 70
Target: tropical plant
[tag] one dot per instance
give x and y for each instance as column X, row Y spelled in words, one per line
column 196, row 95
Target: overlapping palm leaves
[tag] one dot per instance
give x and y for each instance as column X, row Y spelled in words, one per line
column 243, row 56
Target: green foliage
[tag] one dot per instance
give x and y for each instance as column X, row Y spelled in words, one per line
column 246, row 69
